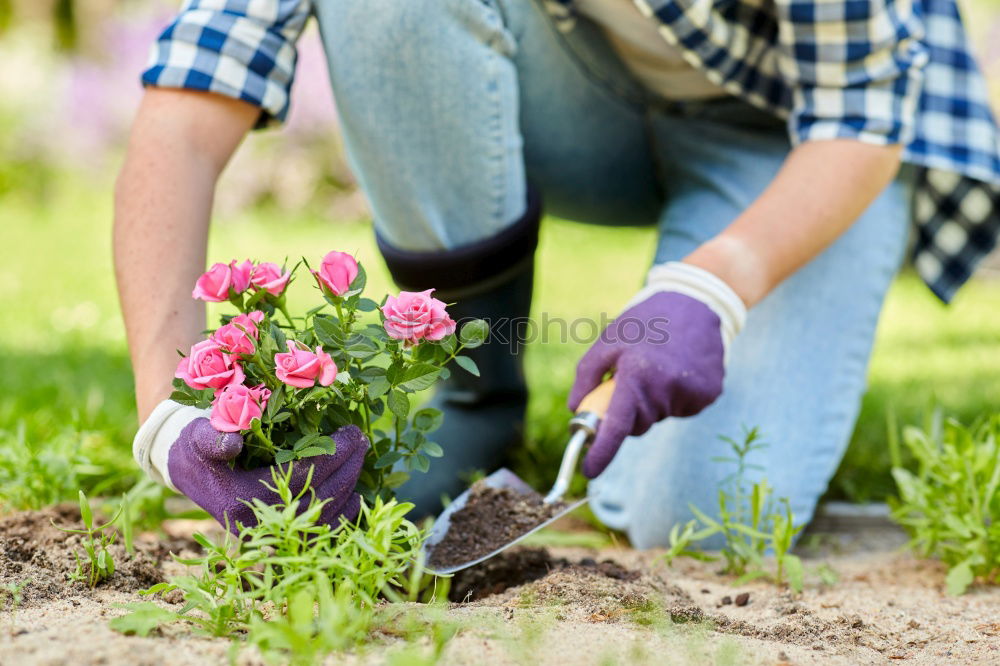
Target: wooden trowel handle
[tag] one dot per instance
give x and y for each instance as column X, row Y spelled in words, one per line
column 598, row 400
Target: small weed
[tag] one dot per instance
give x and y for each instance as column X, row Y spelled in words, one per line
column 98, row 564
column 750, row 521
column 951, row 505
column 10, row 595
column 295, row 589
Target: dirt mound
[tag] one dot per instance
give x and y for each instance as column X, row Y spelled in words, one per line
column 592, row 590
column 36, row 557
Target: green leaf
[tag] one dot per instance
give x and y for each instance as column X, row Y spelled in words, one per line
column 388, row 459
column 378, row 387
column 448, row 343
column 328, row 331
column 283, row 416
column 275, row 403
column 399, row 404
column 143, row 618
column 368, row 373
column 474, row 333
column 85, row 513
column 794, row 571
column 959, row 578
column 418, row 377
column 367, row 305
column 315, row 394
column 420, row 463
column 395, row 479
column 359, row 282
column 394, row 373
column 183, row 398
column 307, row 440
column 428, row 419
column 468, row 365
column 432, row 449
column 282, row 456
column 311, row 451
column 279, row 338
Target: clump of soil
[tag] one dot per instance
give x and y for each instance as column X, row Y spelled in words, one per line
column 36, row 557
column 491, row 518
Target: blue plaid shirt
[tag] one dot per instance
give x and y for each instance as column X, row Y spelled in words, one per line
column 878, row 71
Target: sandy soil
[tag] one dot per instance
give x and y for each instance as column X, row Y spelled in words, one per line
column 584, row 606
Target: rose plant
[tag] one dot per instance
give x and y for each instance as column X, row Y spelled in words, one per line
column 286, row 383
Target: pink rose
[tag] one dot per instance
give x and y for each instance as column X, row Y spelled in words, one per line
column 337, row 272
column 249, row 322
column 235, row 340
column 268, row 276
column 236, row 406
column 241, row 275
column 302, row 368
column 213, row 285
column 416, row 315
column 209, row 366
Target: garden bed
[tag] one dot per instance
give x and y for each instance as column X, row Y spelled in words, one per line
column 555, row 605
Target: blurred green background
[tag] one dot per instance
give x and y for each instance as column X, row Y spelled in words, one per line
column 68, row 86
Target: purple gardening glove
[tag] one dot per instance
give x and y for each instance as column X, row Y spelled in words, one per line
column 667, row 356
column 199, row 467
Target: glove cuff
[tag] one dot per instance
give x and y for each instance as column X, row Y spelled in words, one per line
column 700, row 284
column 151, row 446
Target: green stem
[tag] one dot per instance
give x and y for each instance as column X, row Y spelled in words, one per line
column 284, row 311
column 340, row 316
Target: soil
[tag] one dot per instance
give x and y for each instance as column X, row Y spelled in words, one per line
column 36, row 556
column 491, row 518
column 546, row 606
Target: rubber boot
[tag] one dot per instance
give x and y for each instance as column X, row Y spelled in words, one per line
column 483, row 416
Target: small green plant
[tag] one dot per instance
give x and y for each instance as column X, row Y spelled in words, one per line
column 98, row 564
column 296, row 589
column 950, row 505
column 751, row 522
column 10, row 595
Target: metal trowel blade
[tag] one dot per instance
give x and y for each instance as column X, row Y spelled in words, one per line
column 502, row 478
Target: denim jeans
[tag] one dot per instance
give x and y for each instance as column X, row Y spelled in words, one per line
column 449, row 107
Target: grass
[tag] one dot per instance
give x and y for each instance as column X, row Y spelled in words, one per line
column 66, row 407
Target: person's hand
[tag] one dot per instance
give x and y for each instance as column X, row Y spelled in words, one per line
column 666, row 352
column 180, row 446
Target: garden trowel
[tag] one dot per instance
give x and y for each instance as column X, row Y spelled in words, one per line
column 583, row 426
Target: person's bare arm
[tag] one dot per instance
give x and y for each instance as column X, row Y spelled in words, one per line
column 821, row 189
column 180, row 142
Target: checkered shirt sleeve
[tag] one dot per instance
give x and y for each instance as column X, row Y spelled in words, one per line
column 855, row 68
column 244, row 49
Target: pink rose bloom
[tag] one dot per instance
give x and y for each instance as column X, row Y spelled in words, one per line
column 249, row 322
column 268, row 276
column 416, row 315
column 241, row 275
column 209, row 366
column 235, row 340
column 337, row 272
column 236, row 406
column 302, row 368
column 213, row 286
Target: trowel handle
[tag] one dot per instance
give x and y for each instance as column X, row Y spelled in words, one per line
column 598, row 400
column 583, row 428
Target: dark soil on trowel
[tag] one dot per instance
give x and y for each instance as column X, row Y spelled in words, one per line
column 36, row 557
column 491, row 518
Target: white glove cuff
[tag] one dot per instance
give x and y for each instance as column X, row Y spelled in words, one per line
column 702, row 285
column 151, row 446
